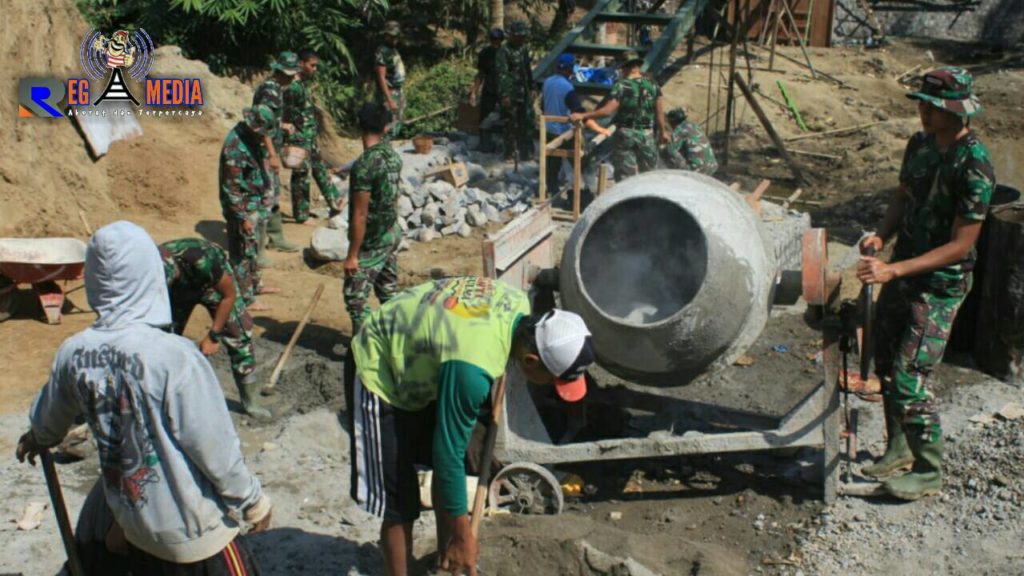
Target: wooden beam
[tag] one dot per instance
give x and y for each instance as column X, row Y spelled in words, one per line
column 779, row 144
column 836, row 131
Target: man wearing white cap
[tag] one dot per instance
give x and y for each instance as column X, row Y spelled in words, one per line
column 417, row 375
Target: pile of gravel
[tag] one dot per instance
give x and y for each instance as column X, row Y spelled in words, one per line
column 985, row 475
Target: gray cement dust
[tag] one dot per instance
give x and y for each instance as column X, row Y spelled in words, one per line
column 643, row 260
column 308, row 381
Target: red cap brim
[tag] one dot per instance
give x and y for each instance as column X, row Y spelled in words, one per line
column 571, row 390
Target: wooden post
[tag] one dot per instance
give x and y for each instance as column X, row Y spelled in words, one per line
column 577, row 169
column 542, row 161
column 779, row 144
column 775, row 36
column 602, row 179
column 796, row 30
column 730, row 92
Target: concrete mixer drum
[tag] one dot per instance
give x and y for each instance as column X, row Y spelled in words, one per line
column 672, row 272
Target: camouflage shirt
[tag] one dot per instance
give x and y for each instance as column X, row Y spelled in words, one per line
column 378, row 171
column 637, row 98
column 943, row 184
column 242, row 180
column 193, row 266
column 271, row 94
column 690, row 150
column 391, row 60
column 300, row 111
column 512, row 66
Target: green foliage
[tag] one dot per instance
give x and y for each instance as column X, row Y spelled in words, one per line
column 429, row 89
column 238, row 36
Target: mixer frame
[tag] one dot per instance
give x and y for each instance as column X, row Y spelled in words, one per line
column 524, row 247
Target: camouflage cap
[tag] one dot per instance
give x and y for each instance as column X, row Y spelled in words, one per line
column 676, row 115
column 392, row 28
column 287, row 62
column 519, row 28
column 949, row 88
column 259, row 119
column 629, row 58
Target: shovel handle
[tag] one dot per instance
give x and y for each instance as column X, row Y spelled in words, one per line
column 61, row 511
column 867, row 337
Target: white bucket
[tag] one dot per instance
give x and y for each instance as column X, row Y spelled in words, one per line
column 293, row 156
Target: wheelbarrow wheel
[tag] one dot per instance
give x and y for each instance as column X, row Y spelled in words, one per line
column 525, row 488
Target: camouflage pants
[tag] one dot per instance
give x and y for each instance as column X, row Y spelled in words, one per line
column 378, row 270
column 237, row 333
column 633, row 152
column 395, row 130
column 243, row 249
column 272, row 195
column 300, row 185
column 911, row 332
column 517, row 127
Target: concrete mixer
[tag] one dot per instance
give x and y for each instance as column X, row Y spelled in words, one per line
column 676, row 275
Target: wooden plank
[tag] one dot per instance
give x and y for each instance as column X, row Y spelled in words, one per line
column 779, row 144
column 681, row 25
column 815, row 154
column 542, row 162
column 517, row 238
column 639, row 18
column 577, row 172
column 836, row 131
column 592, row 49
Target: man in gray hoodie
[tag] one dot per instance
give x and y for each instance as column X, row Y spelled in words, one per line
column 171, row 460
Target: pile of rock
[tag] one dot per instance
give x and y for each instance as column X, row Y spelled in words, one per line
column 438, row 209
column 430, row 207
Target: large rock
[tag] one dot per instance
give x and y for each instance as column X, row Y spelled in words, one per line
column 405, row 207
column 453, row 218
column 464, row 230
column 492, row 213
column 476, row 172
column 475, row 216
column 426, row 234
column 329, row 245
column 440, row 190
column 431, row 214
column 414, row 218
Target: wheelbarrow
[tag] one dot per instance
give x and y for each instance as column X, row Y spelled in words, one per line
column 40, row 262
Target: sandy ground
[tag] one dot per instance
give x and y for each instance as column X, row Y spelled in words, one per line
column 702, row 515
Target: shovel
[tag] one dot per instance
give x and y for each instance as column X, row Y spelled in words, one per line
column 61, row 511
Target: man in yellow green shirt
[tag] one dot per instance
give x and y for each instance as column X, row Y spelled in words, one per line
column 419, row 371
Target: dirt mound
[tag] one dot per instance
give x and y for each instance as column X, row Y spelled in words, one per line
column 46, row 174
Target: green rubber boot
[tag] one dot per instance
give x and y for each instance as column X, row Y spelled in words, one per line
column 262, row 260
column 275, row 231
column 247, row 393
column 925, row 478
column 898, row 456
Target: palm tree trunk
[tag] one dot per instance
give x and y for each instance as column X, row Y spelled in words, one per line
column 497, row 14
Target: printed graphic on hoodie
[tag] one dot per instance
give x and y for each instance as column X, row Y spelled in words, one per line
column 127, row 456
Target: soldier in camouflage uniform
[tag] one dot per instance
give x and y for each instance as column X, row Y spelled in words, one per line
column 373, row 230
column 515, row 87
column 390, row 76
column 198, row 273
column 946, row 184
column 300, row 113
column 637, row 104
column 689, row 148
column 270, row 93
column 243, row 183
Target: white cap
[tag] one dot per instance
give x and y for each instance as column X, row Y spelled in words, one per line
column 563, row 343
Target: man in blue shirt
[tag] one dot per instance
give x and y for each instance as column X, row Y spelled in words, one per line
column 559, row 98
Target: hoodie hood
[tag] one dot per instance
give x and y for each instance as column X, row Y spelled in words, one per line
column 124, row 278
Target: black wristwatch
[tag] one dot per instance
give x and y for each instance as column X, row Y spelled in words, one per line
column 214, row 336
